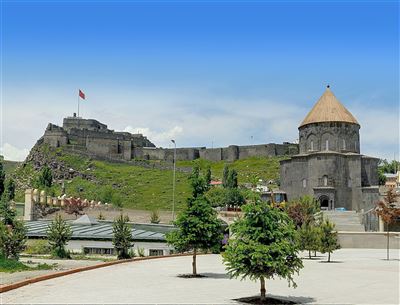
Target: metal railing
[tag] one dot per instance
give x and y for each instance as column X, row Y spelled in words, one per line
column 370, row 220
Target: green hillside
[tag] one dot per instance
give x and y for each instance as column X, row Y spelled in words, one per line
column 130, row 185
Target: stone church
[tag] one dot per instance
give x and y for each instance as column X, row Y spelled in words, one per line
column 329, row 166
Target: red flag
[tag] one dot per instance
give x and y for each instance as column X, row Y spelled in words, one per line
column 81, row 94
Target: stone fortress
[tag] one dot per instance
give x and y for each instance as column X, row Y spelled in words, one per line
column 95, row 139
column 329, row 166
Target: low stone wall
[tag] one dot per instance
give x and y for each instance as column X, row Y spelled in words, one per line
column 368, row 240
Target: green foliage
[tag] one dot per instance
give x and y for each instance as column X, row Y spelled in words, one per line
column 386, row 167
column 154, row 217
column 11, row 265
column 234, row 197
column 216, row 196
column 328, row 238
column 38, row 246
column 7, row 212
column 225, row 176
column 12, row 239
column 58, row 234
column 140, row 252
column 263, row 245
column 302, row 210
column 197, row 227
column 199, row 183
column 232, row 181
column 2, row 178
column 45, row 178
column 9, row 190
column 122, row 239
column 309, row 238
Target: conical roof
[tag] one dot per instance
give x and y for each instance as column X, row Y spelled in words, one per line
column 328, row 109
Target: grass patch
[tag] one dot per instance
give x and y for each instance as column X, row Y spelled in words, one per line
column 139, row 187
column 10, row 266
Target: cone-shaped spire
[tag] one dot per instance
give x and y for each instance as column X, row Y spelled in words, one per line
column 328, row 109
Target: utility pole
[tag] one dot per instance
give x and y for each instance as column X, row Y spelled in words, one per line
column 173, row 183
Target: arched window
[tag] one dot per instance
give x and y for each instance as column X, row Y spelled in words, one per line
column 304, row 183
column 312, row 145
column 326, row 144
column 325, row 180
column 344, row 144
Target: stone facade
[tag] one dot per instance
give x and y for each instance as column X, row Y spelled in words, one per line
column 94, row 138
column 330, row 166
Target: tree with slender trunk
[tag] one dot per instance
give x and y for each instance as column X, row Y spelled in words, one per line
column 197, row 227
column 263, row 246
column 388, row 211
column 328, row 238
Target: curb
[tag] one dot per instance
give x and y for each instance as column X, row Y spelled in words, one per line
column 45, row 277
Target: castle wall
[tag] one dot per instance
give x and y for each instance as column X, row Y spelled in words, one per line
column 212, row 154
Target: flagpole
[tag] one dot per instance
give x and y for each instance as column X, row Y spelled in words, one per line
column 78, row 103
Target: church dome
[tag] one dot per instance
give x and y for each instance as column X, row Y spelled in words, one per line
column 328, row 109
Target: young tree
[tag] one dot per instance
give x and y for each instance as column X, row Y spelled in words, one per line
column 328, row 238
column 45, row 177
column 309, row 238
column 122, row 239
column 232, row 182
column 12, row 231
column 58, row 234
column 225, row 175
column 386, row 209
column 9, row 190
column 197, row 227
column 303, row 210
column 263, row 246
column 7, row 212
column 12, row 239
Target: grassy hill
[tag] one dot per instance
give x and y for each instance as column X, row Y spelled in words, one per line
column 10, row 166
column 130, row 185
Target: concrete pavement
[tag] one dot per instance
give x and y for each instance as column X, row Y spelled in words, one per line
column 358, row 276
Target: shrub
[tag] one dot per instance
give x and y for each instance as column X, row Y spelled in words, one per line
column 38, row 246
column 58, row 234
column 309, row 237
column 140, row 252
column 12, row 239
column 154, row 217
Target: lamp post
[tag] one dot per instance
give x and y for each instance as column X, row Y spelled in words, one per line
column 173, row 183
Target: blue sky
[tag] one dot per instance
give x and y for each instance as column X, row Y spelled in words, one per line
column 205, row 73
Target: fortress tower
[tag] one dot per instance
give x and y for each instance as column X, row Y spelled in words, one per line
column 329, row 165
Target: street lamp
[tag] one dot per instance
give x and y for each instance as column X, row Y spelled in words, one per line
column 173, row 183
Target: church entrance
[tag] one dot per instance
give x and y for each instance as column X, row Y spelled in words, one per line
column 324, row 202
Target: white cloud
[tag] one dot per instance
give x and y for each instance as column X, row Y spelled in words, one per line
column 162, row 138
column 13, row 153
column 192, row 118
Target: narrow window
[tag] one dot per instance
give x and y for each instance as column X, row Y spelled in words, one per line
column 344, row 144
column 312, row 145
column 327, row 145
column 325, row 178
column 355, row 145
column 304, row 183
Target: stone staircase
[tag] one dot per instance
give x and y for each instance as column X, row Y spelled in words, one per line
column 345, row 220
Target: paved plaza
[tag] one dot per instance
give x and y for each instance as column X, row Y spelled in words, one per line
column 357, row 276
